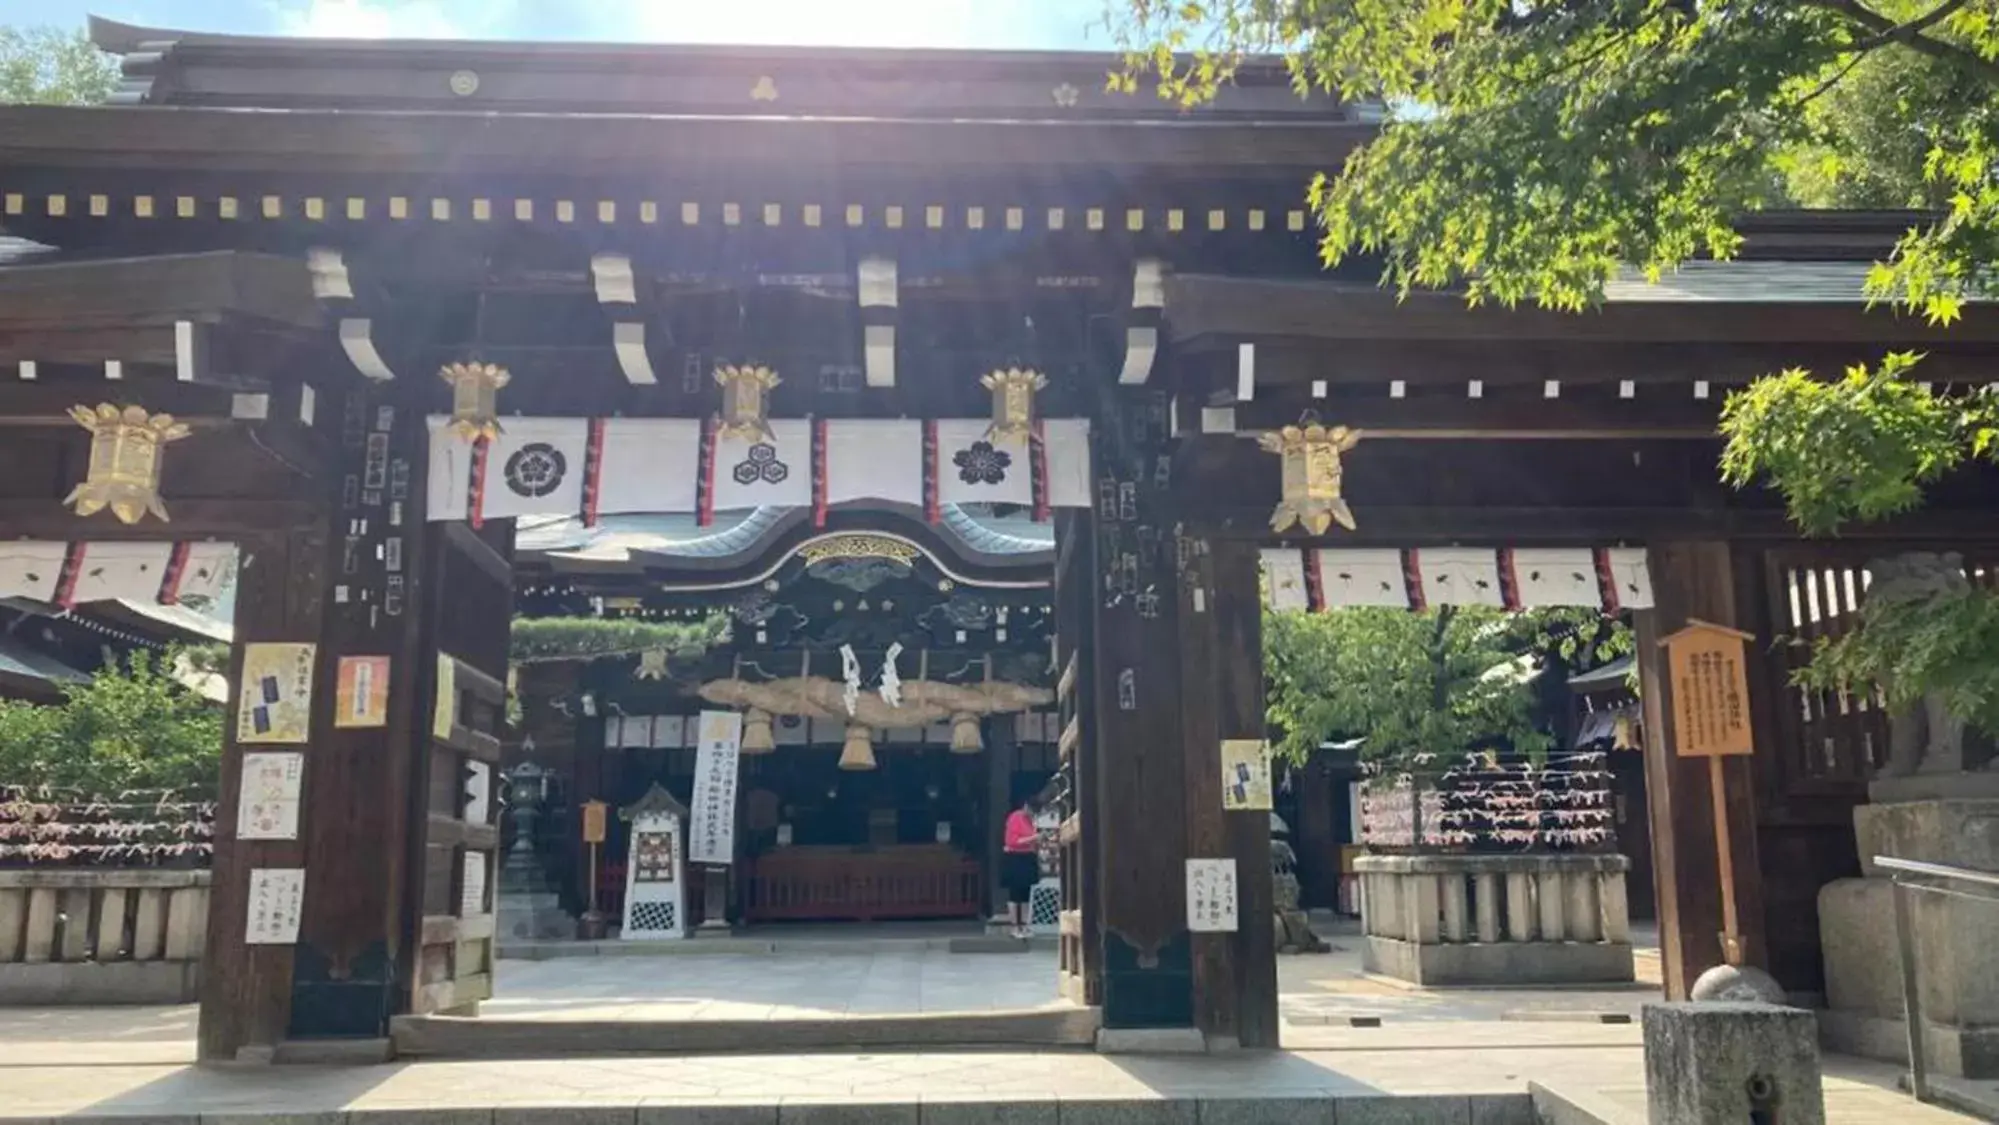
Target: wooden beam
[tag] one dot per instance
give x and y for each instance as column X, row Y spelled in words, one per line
column 1211, row 365
column 161, row 289
column 1527, row 526
column 1514, row 417
column 429, row 143
column 190, row 519
column 1261, row 308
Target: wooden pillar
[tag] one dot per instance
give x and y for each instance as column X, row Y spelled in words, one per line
column 246, row 989
column 352, row 587
column 1221, row 697
column 1002, row 750
column 1694, row 580
column 351, row 972
column 1140, row 762
column 1315, row 834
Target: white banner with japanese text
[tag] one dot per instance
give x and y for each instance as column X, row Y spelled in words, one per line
column 711, row 837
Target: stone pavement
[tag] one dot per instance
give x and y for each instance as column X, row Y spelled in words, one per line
column 1452, row 1057
column 1472, row 1082
column 867, row 979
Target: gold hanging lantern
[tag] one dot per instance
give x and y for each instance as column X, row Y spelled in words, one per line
column 1311, row 454
column 1013, row 403
column 745, row 398
column 757, row 735
column 965, row 733
column 652, row 665
column 475, row 398
column 858, row 752
column 124, row 473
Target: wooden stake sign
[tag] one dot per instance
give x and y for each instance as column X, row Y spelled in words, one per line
column 1707, row 666
column 1710, row 690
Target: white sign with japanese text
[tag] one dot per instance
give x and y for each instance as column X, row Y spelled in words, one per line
column 1211, row 896
column 277, row 898
column 712, row 826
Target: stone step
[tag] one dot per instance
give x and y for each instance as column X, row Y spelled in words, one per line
column 501, row 1037
column 1240, row 1109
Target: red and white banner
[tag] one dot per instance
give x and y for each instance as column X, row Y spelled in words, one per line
column 66, row 574
column 1607, row 578
column 592, row 467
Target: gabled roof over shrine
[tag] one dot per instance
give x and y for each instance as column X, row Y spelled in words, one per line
column 164, row 66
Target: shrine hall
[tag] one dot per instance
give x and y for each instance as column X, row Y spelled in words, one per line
column 957, row 419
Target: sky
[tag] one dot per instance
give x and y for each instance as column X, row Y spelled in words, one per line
column 995, row 24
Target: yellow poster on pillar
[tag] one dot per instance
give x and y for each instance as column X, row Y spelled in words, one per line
column 274, row 696
column 1245, row 774
column 444, row 715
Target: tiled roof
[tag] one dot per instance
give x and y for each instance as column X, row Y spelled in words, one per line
column 1747, row 282
column 17, row 659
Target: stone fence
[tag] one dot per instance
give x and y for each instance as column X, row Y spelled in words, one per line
column 101, row 935
column 1496, row 919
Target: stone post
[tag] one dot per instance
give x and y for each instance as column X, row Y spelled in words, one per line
column 1714, row 1062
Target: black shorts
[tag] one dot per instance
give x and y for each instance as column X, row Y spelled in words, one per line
column 1019, row 871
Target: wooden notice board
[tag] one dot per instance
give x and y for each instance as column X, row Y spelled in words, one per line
column 1710, row 677
column 593, row 821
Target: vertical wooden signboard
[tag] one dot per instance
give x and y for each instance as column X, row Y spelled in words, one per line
column 1707, row 665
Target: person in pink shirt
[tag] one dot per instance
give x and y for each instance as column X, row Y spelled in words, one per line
column 1020, row 866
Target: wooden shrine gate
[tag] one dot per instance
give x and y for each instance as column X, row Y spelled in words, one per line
column 461, row 788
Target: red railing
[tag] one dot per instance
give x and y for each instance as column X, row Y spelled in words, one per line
column 836, row 884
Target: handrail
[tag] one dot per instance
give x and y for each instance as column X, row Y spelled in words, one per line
column 1916, row 875
column 1938, row 870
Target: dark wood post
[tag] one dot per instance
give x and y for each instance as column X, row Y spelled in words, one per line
column 352, row 586
column 351, row 972
column 1694, row 580
column 1140, row 762
column 1002, row 751
column 1221, row 697
column 246, row 990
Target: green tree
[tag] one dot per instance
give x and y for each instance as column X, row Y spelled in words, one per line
column 1536, row 147
column 1443, row 682
column 48, row 66
column 129, row 727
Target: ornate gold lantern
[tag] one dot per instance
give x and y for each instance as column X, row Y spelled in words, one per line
column 1013, row 403
column 1311, row 454
column 858, row 752
column 475, row 398
column 124, row 473
column 745, row 398
column 965, row 733
column 757, row 735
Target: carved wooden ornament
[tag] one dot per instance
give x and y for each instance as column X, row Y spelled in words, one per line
column 1312, row 471
column 475, row 398
column 1013, row 403
column 124, row 473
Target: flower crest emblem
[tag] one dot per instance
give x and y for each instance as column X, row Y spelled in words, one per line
column 980, row 463
column 536, row 469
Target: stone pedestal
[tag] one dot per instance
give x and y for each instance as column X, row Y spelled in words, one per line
column 528, row 908
column 1956, row 940
column 1708, row 1063
column 1435, row 919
